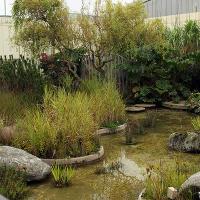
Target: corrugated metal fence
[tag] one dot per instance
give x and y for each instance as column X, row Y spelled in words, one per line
column 173, row 12
column 112, row 72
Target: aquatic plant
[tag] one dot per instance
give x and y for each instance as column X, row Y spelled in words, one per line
column 112, row 126
column 12, row 184
column 150, row 120
column 62, row 175
column 138, row 127
column 161, row 176
column 108, row 168
column 129, row 137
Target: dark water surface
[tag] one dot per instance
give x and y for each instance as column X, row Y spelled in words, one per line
column 126, row 182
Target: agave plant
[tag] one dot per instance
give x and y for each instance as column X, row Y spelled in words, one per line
column 62, row 175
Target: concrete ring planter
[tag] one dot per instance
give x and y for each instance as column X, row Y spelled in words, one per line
column 77, row 161
column 105, row 131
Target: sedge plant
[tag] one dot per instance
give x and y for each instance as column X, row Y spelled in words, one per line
column 62, row 175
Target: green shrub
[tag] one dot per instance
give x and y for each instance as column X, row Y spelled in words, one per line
column 62, row 175
column 64, row 126
column 12, row 185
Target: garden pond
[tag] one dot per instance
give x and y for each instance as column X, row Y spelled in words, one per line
column 121, row 173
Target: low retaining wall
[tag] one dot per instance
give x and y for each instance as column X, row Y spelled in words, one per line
column 105, row 131
column 77, row 161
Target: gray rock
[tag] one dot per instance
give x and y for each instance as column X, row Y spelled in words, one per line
column 2, row 197
column 34, row 169
column 185, row 142
column 192, row 184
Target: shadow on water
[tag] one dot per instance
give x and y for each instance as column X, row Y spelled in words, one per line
column 126, row 181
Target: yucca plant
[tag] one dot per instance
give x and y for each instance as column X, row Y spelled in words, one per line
column 62, row 175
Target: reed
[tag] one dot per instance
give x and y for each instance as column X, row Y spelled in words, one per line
column 62, row 127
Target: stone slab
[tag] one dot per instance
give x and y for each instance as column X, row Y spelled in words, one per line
column 145, row 105
column 180, row 106
column 134, row 109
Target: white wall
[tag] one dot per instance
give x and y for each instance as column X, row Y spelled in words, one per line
column 6, row 32
column 173, row 20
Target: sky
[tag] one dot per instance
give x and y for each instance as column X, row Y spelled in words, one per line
column 74, row 5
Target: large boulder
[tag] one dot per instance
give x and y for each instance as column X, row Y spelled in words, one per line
column 34, row 169
column 191, row 185
column 185, row 142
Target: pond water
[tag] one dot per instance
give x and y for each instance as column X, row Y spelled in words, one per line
column 125, row 182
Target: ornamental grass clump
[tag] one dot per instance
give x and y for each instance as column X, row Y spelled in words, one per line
column 62, row 175
column 62, row 127
column 106, row 103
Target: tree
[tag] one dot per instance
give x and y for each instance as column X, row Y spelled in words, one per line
column 44, row 24
column 116, row 28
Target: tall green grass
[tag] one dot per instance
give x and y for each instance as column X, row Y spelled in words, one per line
column 106, row 103
column 64, row 126
column 13, row 106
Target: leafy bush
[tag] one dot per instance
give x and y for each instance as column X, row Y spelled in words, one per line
column 12, row 184
column 57, row 66
column 64, row 126
column 22, row 75
column 62, row 176
column 169, row 71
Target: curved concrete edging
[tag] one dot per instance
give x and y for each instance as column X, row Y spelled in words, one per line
column 105, row 131
column 77, row 161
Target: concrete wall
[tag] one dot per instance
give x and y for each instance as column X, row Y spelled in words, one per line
column 158, row 8
column 6, row 33
column 180, row 19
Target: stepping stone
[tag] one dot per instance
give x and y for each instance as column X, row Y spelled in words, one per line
column 145, row 105
column 134, row 109
column 180, row 106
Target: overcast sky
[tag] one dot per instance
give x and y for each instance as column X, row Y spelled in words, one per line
column 74, row 5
